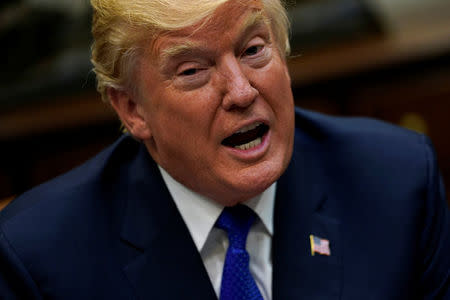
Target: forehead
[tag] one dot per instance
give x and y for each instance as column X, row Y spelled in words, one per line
column 229, row 20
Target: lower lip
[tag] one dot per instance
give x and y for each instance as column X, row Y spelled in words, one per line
column 253, row 153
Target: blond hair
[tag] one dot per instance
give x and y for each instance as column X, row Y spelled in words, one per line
column 121, row 28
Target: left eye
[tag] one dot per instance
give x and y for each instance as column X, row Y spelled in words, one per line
column 253, row 50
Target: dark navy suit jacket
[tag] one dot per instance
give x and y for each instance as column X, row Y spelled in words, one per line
column 110, row 230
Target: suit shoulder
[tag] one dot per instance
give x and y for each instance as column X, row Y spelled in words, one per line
column 363, row 143
column 359, row 135
column 333, row 127
column 72, row 185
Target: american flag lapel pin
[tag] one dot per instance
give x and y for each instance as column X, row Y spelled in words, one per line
column 319, row 245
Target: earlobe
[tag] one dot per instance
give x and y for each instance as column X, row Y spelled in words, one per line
column 129, row 113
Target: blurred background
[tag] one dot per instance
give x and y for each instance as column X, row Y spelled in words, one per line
column 387, row 59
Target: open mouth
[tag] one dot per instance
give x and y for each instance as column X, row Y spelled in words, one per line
column 247, row 137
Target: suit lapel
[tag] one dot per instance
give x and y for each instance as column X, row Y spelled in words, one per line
column 302, row 208
column 160, row 258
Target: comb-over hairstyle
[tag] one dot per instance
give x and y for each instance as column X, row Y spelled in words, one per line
column 122, row 28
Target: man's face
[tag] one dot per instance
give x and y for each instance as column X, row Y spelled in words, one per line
column 218, row 105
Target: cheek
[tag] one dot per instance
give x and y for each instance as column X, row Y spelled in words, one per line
column 182, row 115
column 280, row 76
column 199, row 110
column 276, row 89
column 273, row 78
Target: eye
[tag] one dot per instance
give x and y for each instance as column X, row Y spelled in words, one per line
column 253, row 50
column 189, row 72
column 191, row 76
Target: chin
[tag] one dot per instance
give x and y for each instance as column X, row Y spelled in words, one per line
column 251, row 182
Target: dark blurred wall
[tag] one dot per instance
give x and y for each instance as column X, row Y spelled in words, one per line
column 372, row 58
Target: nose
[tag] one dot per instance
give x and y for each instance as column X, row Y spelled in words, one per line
column 239, row 92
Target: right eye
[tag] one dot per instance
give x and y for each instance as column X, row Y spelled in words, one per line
column 192, row 76
column 189, row 72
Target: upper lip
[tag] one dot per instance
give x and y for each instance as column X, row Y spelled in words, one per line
column 249, row 127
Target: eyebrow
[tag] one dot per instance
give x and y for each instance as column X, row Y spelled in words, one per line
column 178, row 50
column 253, row 20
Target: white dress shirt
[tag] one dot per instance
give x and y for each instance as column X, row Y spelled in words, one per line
column 200, row 214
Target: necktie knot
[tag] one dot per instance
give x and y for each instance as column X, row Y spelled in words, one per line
column 236, row 221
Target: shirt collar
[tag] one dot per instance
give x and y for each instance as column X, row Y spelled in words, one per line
column 200, row 213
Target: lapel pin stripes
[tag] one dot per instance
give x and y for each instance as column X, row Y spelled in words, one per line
column 319, row 245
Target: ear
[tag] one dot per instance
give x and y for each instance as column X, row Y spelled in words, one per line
column 130, row 113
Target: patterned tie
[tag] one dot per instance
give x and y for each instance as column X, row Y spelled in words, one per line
column 237, row 282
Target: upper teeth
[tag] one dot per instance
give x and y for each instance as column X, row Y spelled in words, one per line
column 249, row 127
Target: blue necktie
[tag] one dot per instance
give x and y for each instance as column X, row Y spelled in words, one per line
column 237, row 281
